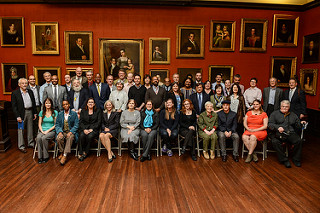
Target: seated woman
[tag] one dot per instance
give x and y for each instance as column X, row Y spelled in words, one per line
column 110, row 126
column 188, row 122
column 149, row 125
column 187, row 89
column 237, row 105
column 130, row 121
column 89, row 126
column 217, row 98
column 176, row 95
column 169, row 120
column 46, row 125
column 256, row 123
column 208, row 123
column 119, row 97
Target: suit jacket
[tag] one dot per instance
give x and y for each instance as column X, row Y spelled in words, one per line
column 18, row 105
column 76, row 53
column 298, row 103
column 114, row 72
column 112, row 123
column 62, row 95
column 157, row 99
column 38, row 91
column 73, row 123
column 227, row 123
column 195, row 102
column 104, row 94
column 84, row 79
column 277, row 98
column 84, row 95
column 195, row 49
column 87, row 123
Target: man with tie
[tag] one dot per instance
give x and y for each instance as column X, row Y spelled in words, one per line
column 191, row 46
column 56, row 93
column 99, row 91
column 47, row 78
column 297, row 98
column 272, row 96
column 156, row 94
column 79, row 52
column 199, row 99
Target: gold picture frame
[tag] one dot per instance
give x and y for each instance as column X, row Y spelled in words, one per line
column 285, row 30
column 159, row 50
column 308, row 80
column 12, row 31
column 75, row 54
column 311, row 48
column 253, row 37
column 39, row 71
column 283, row 68
column 72, row 71
column 226, row 71
column 45, row 38
column 220, row 37
column 11, row 73
column 185, row 48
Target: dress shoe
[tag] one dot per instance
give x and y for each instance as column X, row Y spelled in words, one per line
column 296, row 163
column 212, row 155
column 149, row 157
column 249, row 158
column 183, row 150
column 60, row 156
column 85, row 156
column 114, row 156
column 206, row 155
column 45, row 160
column 110, row 159
column 63, row 160
column 194, row 157
column 23, row 150
column 255, row 157
column 133, row 155
column 142, row 159
column 224, row 158
column 235, row 158
column 40, row 160
column 287, row 164
column 81, row 158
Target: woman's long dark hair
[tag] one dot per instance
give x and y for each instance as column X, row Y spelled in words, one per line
column 175, row 83
column 95, row 105
column 239, row 89
column 44, row 108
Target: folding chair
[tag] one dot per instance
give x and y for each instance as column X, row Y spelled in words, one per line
column 112, row 147
column 52, row 150
column 72, row 149
column 262, row 152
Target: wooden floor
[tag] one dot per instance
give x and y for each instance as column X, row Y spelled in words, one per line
column 165, row 184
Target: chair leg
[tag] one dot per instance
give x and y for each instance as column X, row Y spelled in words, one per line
column 54, row 151
column 77, row 150
column 35, row 150
column 179, row 148
column 157, row 145
column 242, row 150
column 264, row 148
column 99, row 147
column 139, row 147
column 120, row 147
column 160, row 146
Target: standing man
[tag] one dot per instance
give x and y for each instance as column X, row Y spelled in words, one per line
column 114, row 68
column 99, row 91
column 79, row 52
column 198, row 78
column 236, row 80
column 191, row 46
column 252, row 93
column 137, row 92
column 156, row 94
column 68, row 85
column 129, row 83
column 218, row 81
column 47, row 78
column 297, row 98
column 167, row 84
column 56, row 93
column 110, row 83
column 272, row 97
column 89, row 76
column 24, row 109
column 122, row 75
column 176, row 78
column 77, row 97
column 35, row 89
column 227, row 89
column 79, row 76
column 198, row 99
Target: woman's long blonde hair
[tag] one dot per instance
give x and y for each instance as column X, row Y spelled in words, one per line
column 173, row 111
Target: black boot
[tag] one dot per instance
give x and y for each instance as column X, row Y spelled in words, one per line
column 131, row 151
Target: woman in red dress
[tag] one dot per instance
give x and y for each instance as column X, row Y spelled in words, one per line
column 256, row 123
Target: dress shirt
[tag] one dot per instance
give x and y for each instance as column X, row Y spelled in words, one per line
column 272, row 95
column 155, row 89
column 68, row 87
column 291, row 92
column 252, row 94
column 26, row 99
column 35, row 93
column 42, row 90
column 53, row 89
column 76, row 100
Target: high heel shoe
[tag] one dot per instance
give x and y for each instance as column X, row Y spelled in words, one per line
column 114, row 156
column 110, row 159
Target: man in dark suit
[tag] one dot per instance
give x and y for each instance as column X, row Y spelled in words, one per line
column 190, row 47
column 24, row 109
column 272, row 96
column 79, row 51
column 56, row 93
column 114, row 68
column 36, row 93
column 77, row 97
column 297, row 98
column 99, row 91
column 156, row 94
column 199, row 99
column 68, row 84
column 227, row 128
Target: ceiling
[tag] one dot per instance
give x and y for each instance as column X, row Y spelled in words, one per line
column 290, row 2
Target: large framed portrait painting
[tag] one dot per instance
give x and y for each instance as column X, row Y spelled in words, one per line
column 12, row 31
column 285, row 30
column 159, row 50
column 311, row 48
column 190, row 41
column 308, row 80
column 39, row 71
column 225, row 70
column 283, row 68
column 222, row 35
column 45, row 38
column 11, row 73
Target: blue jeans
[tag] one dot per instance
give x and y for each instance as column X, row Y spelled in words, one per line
column 169, row 140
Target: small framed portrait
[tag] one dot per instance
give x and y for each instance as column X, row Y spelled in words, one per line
column 308, row 80
column 222, row 35
column 78, row 46
column 72, row 71
column 285, row 30
column 39, row 71
column 253, row 35
column 188, row 72
column 283, row 68
column 190, row 41
column 45, row 38
column 311, row 48
column 159, row 50
column 12, row 31
column 160, row 73
column 118, row 54
column 11, row 73
column 225, row 70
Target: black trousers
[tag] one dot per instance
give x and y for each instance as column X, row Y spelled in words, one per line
column 293, row 140
column 188, row 135
column 270, row 109
column 86, row 140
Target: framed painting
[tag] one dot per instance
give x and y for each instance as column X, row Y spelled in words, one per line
column 12, row 31
column 159, row 50
column 222, row 35
column 283, row 68
column 45, row 38
column 184, row 72
column 160, row 73
column 190, row 41
column 311, row 48
column 308, row 80
column 78, row 47
column 11, row 73
column 125, row 54
column 72, row 71
column 39, row 71
column 253, row 36
column 285, row 30
column 225, row 70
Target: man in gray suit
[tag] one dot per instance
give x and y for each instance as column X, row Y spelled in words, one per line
column 56, row 93
column 272, row 96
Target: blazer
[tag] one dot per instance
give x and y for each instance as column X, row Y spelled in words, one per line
column 112, row 123
column 157, row 99
column 185, row 121
column 84, row 95
column 277, row 98
column 208, row 122
column 195, row 49
column 155, row 118
column 76, row 53
column 195, row 102
column 18, row 105
column 104, row 94
column 73, row 123
column 62, row 95
column 87, row 123
column 298, row 103
column 38, row 91
column 173, row 97
column 227, row 123
column 65, row 85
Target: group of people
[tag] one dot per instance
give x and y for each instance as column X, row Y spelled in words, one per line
column 85, row 109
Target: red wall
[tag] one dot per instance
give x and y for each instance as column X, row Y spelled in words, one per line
column 143, row 22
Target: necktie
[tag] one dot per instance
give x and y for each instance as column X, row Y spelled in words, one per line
column 200, row 101
column 98, row 87
column 290, row 94
column 55, row 95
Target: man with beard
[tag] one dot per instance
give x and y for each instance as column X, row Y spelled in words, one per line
column 156, row 94
column 77, row 97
